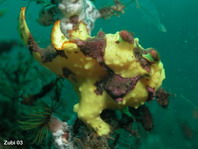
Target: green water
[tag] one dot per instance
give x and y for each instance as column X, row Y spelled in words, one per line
column 175, row 127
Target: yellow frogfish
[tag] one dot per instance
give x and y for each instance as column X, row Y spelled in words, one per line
column 109, row 71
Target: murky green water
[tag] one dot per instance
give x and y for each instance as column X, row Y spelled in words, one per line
column 169, row 26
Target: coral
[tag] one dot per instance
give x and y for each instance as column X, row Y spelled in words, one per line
column 162, row 97
column 76, row 11
column 41, row 121
column 48, row 14
column 61, row 134
column 17, row 74
column 93, row 141
column 143, row 115
column 116, row 9
column 71, row 12
column 109, row 71
column 38, row 121
column 84, row 138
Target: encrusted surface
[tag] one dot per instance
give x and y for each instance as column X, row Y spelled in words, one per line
column 93, row 47
column 116, row 86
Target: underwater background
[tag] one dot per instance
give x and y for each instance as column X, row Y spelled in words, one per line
column 169, row 26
